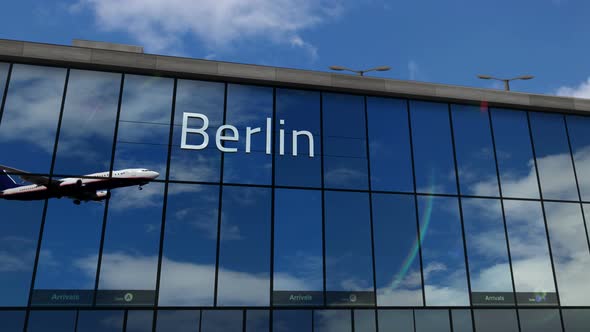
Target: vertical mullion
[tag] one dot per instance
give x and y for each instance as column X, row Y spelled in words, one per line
column 219, row 214
column 125, row 315
column 44, row 213
column 164, row 206
column 272, row 206
column 7, row 82
column 528, row 117
column 352, row 312
column 323, row 196
column 106, row 208
column 503, row 213
column 408, row 110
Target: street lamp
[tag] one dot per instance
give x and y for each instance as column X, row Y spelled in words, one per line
column 506, row 80
column 361, row 72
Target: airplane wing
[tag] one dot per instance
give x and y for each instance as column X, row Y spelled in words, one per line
column 36, row 179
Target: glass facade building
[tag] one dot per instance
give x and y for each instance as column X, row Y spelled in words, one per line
column 327, row 211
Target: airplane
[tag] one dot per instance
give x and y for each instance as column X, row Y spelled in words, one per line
column 91, row 187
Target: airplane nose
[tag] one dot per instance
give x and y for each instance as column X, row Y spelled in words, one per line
column 155, row 174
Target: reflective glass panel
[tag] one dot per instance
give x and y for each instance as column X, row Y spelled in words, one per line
column 364, row 320
column 222, row 320
column 178, row 320
column 88, row 123
column 462, row 320
column 493, row 320
column 12, row 321
column 443, row 256
column 345, row 142
column 291, row 321
column 257, row 321
column 190, row 245
column 432, row 320
column 349, row 263
column 389, row 145
column 100, row 321
column 433, row 148
column 475, row 151
column 144, row 124
column 31, row 113
column 529, row 252
column 301, row 112
column 298, row 248
column 139, row 321
column 518, row 176
column 244, row 256
column 576, row 320
column 553, row 156
column 579, row 129
column 3, row 77
column 52, row 321
column 569, row 246
column 396, row 320
column 18, row 247
column 489, row 267
column 249, row 106
column 539, row 320
column 131, row 245
column 332, row 321
column 205, row 98
column 397, row 256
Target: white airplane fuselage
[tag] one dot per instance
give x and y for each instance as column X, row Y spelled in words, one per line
column 91, row 187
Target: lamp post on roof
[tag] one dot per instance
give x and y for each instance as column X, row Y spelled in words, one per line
column 506, row 80
column 360, row 72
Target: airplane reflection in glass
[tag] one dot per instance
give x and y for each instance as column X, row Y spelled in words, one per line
column 91, row 187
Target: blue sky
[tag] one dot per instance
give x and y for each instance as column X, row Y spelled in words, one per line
column 426, row 40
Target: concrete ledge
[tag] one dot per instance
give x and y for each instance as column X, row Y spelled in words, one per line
column 563, row 103
column 410, row 88
column 358, row 83
column 166, row 63
column 10, row 47
column 304, row 77
column 122, row 59
column 107, row 46
column 57, row 53
column 246, row 71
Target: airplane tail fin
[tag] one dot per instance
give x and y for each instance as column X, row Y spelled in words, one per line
column 6, row 182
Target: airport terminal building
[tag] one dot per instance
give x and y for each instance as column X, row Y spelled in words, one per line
column 283, row 200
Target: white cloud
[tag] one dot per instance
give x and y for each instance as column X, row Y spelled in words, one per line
column 161, row 25
column 580, row 91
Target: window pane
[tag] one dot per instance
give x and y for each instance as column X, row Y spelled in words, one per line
column 205, row 98
column 291, row 321
column 257, row 320
column 68, row 263
column 553, row 156
column 222, row 321
column 139, row 321
column 578, row 127
column 12, row 321
column 531, row 264
column 518, row 176
column 18, row 247
column 489, row 267
column 397, row 257
column 364, row 320
column 475, row 152
column 535, row 320
column 178, row 320
column 298, row 275
column 131, row 246
column 570, row 252
column 31, row 114
column 190, row 246
column 433, row 148
column 432, row 320
column 248, row 106
column 492, row 320
column 349, row 266
column 389, row 145
column 301, row 111
column 445, row 278
column 396, row 320
column 88, row 123
column 144, row 124
column 332, row 320
column 462, row 320
column 576, row 320
column 244, row 257
column 100, row 321
column 345, row 145
column 52, row 321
